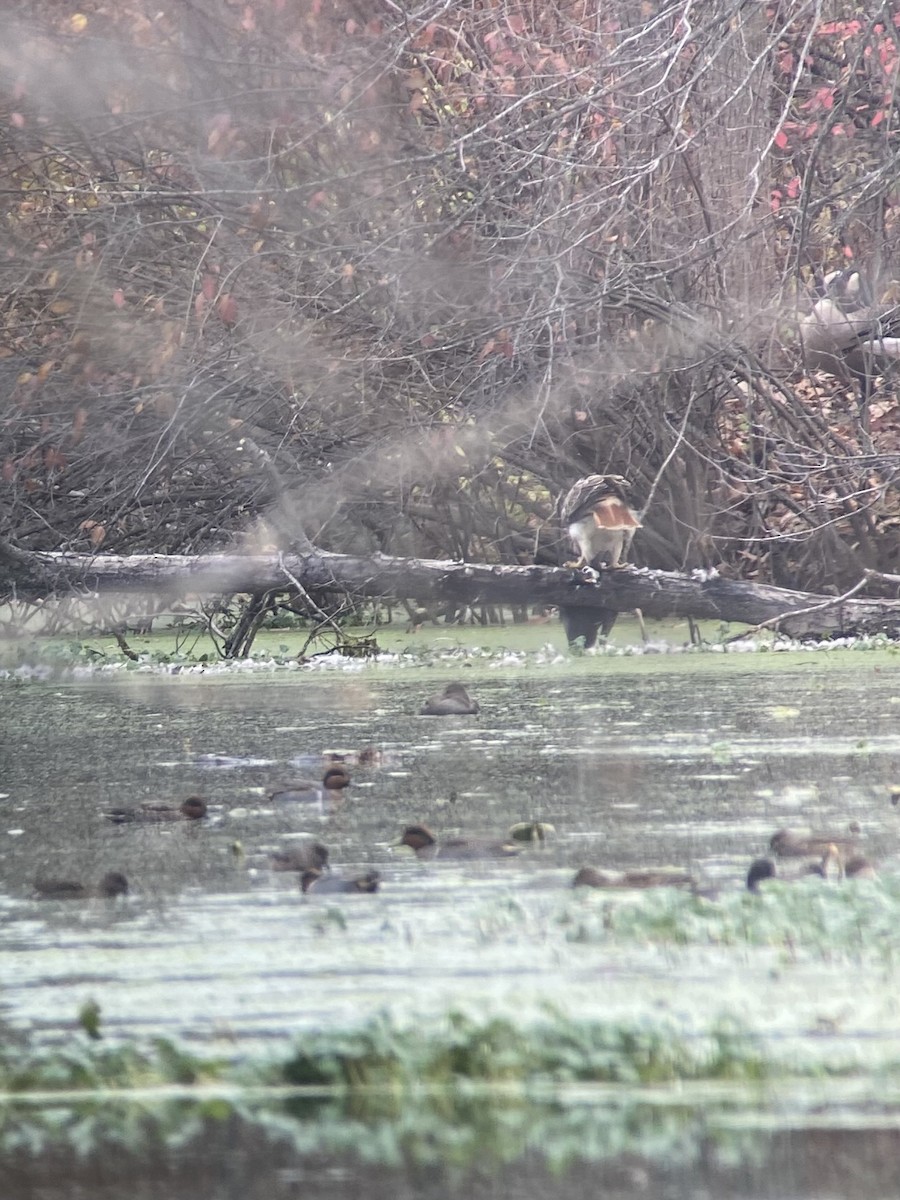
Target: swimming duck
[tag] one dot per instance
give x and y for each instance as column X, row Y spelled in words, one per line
column 314, row 881
column 859, row 867
column 453, row 701
column 801, row 843
column 646, row 877
column 192, row 809
column 307, row 855
column 422, row 841
column 762, row 869
column 111, row 885
column 308, row 791
column 534, row 833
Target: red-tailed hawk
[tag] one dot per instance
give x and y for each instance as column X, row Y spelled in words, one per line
column 599, row 518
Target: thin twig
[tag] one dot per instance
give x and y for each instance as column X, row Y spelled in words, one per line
column 802, row 612
column 322, row 616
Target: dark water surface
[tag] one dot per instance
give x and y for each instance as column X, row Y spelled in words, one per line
column 673, row 768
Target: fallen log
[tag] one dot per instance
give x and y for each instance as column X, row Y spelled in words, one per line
column 700, row 595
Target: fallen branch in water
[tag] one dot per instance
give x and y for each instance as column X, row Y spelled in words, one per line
column 701, row 595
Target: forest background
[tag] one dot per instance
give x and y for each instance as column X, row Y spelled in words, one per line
column 387, row 277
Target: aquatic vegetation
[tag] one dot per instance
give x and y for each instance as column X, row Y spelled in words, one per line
column 384, row 1055
column 85, row 1065
column 512, row 646
column 854, row 920
column 113, row 1138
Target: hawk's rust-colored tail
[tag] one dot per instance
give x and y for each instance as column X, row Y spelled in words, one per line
column 613, row 513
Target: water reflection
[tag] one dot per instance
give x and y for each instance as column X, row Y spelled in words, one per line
column 476, row 1148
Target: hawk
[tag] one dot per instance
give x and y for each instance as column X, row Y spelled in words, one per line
column 599, row 518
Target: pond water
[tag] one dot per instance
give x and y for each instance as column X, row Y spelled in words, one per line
column 632, row 767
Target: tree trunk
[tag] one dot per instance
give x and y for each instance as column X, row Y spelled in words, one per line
column 29, row 575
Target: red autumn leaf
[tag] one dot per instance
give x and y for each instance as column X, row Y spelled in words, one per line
column 79, row 420
column 825, row 97
column 781, row 140
column 227, row 309
column 119, row 298
column 209, row 286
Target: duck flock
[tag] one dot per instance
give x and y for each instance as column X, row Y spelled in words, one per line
column 805, row 853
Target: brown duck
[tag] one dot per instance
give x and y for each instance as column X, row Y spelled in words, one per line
column 111, row 885
column 645, row 877
column 426, row 846
column 315, row 881
column 307, row 855
column 308, row 791
column 859, row 867
column 453, row 701
column 801, row 843
column 192, row 809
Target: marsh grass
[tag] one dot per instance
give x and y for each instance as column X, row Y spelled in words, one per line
column 854, row 921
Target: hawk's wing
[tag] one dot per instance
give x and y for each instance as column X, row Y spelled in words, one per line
column 604, row 496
